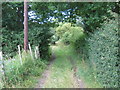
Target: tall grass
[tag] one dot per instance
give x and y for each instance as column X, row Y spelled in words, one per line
column 84, row 72
column 17, row 74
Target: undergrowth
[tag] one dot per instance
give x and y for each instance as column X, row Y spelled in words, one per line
column 23, row 74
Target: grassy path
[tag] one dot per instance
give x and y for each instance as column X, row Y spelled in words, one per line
column 61, row 72
column 68, row 70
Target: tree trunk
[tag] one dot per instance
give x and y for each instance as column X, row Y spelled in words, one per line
column 25, row 26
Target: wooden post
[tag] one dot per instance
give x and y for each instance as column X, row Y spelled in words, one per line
column 1, row 66
column 35, row 53
column 37, row 50
column 31, row 51
column 25, row 26
column 20, row 54
column 3, row 78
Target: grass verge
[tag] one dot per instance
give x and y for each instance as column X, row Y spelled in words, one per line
column 23, row 75
column 84, row 72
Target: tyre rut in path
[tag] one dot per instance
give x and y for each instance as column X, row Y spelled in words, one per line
column 41, row 82
column 46, row 73
column 78, row 81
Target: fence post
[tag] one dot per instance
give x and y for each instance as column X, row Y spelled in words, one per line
column 37, row 50
column 0, row 68
column 35, row 53
column 3, row 76
column 31, row 51
column 20, row 54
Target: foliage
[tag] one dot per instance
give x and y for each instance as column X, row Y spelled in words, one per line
column 54, row 38
column 10, row 40
column 12, row 12
column 16, row 73
column 100, row 51
column 12, row 33
column 41, row 37
column 69, row 33
column 37, row 37
column 44, row 13
column 93, row 14
column 103, row 45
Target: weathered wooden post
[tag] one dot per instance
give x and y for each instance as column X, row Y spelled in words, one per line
column 20, row 54
column 2, row 66
column 31, row 51
column 25, row 26
column 37, row 54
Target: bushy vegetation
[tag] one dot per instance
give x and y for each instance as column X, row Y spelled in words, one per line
column 68, row 33
column 96, row 44
column 16, row 73
column 41, row 37
column 10, row 40
column 37, row 37
column 103, row 53
column 100, row 51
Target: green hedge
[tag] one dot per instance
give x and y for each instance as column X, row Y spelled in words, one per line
column 100, row 51
column 103, row 52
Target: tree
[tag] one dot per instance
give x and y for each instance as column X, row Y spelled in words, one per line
column 25, row 26
column 12, row 16
column 93, row 14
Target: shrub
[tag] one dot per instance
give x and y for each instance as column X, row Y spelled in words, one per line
column 68, row 33
column 10, row 40
column 80, row 44
column 38, row 36
column 41, row 37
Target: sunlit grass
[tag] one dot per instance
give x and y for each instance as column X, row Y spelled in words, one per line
column 61, row 73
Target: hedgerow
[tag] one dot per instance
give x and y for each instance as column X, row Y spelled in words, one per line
column 100, row 51
column 103, row 51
